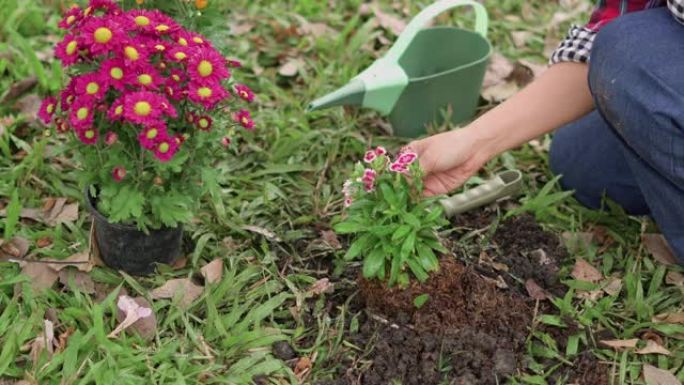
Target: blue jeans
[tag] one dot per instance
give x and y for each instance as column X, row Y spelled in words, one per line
column 631, row 148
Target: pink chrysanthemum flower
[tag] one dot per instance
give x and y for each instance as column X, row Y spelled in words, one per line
column 169, row 109
column 369, row 156
column 116, row 111
column 144, row 77
column 134, row 54
column 234, row 63
column 87, row 135
column 114, row 71
column 204, row 122
column 407, row 158
column 245, row 119
column 47, row 109
column 71, row 18
column 163, row 24
column 108, row 6
column 62, row 126
column 207, row 95
column 207, row 65
column 119, row 173
column 178, row 54
column 152, row 134
column 67, row 96
column 101, row 35
column 111, row 138
column 177, row 76
column 142, row 20
column 166, row 148
column 244, row 92
column 68, row 50
column 92, row 85
column 144, row 107
column 82, row 113
column 225, row 141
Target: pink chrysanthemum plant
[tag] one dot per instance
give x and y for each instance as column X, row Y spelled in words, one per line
column 141, row 106
column 393, row 227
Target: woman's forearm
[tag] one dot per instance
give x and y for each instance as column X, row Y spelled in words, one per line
column 559, row 96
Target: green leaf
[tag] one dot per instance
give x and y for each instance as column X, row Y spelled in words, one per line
column 401, row 232
column 435, row 213
column 13, row 213
column 427, row 258
column 408, row 246
column 388, row 193
column 374, row 261
column 382, row 231
column 394, row 270
column 126, row 205
column 421, row 300
column 348, row 227
column 417, row 270
column 358, row 246
column 171, row 209
column 411, row 220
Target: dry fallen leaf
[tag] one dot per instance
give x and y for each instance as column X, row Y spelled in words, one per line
column 41, row 274
column 583, row 271
column 520, row 38
column 18, row 88
column 652, row 347
column 319, row 287
column 132, row 312
column 674, row 278
column 145, row 327
column 43, row 242
column 655, row 376
column 330, row 238
column 213, row 271
column 613, row 287
column 81, row 280
column 498, row 70
column 620, row 344
column 388, row 21
column 240, row 28
column 45, row 341
column 535, row 291
column 184, row 288
column 291, row 67
column 669, row 318
column 54, row 212
column 17, row 248
column 262, row 231
column 63, row 339
column 659, row 248
column 302, row 367
column 29, row 106
column 80, row 260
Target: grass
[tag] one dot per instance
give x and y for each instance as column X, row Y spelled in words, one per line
column 287, row 180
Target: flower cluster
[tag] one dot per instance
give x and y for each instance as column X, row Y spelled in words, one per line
column 139, row 70
column 377, row 163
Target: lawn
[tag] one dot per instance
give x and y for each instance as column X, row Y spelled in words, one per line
column 540, row 290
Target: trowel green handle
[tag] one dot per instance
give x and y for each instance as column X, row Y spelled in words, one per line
column 428, row 14
column 504, row 184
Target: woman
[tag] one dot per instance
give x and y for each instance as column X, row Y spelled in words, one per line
column 620, row 134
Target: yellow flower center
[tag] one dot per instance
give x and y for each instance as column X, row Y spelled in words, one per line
column 70, row 20
column 92, row 88
column 103, row 35
column 142, row 21
column 142, row 108
column 162, row 28
column 50, row 108
column 183, row 42
column 204, row 92
column 90, row 134
column 164, row 148
column 82, row 113
column 245, row 121
column 244, row 94
column 159, row 47
column 131, row 53
column 71, row 47
column 204, row 123
column 180, row 55
column 152, row 133
column 205, row 68
column 118, row 110
column 145, row 79
column 116, row 73
column 197, row 40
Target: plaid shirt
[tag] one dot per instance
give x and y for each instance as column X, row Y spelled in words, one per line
column 577, row 45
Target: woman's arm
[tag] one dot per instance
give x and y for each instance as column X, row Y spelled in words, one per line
column 559, row 96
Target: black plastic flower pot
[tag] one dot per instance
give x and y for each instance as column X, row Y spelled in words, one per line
column 124, row 247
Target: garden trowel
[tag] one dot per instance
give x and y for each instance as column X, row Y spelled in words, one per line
column 504, row 184
column 425, row 72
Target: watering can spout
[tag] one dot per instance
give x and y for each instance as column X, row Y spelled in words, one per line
column 349, row 95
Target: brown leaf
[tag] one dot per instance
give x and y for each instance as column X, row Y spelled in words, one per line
column 16, row 248
column 330, row 238
column 655, row 376
column 44, row 342
column 81, row 261
column 29, row 106
column 498, row 70
column 388, row 21
column 535, row 291
column 613, row 287
column 674, row 278
column 67, row 214
column 577, row 242
column 319, row 287
column 500, row 92
column 652, row 347
column 659, row 248
column 314, row 29
column 180, row 263
column 302, row 367
column 213, row 271
column 131, row 311
column 291, row 67
column 145, row 327
column 669, row 318
column 43, row 242
column 81, row 280
column 583, row 271
column 620, row 344
column 41, row 274
column 19, row 88
column 520, row 38
column 240, row 28
column 183, row 288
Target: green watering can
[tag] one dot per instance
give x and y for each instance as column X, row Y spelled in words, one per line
column 427, row 70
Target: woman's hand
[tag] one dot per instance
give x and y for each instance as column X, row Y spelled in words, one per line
column 450, row 159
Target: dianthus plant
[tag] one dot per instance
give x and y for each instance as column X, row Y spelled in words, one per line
column 139, row 110
column 394, row 227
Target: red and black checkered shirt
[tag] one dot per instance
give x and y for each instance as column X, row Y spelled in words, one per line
column 577, row 45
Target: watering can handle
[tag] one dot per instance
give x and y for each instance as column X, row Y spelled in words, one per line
column 429, row 13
